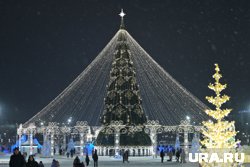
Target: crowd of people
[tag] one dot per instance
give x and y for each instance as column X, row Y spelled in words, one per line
column 19, row 160
column 170, row 151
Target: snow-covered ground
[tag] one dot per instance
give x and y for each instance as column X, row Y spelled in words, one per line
column 109, row 162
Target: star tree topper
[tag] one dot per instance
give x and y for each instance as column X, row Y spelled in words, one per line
column 122, row 14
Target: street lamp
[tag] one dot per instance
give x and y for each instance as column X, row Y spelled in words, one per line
column 69, row 120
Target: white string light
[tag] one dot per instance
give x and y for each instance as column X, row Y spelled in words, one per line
column 163, row 98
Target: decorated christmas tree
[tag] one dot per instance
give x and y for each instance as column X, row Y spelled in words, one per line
column 123, row 100
column 218, row 134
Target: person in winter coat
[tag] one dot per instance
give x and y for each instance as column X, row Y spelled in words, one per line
column 55, row 163
column 77, row 162
column 40, row 164
column 87, row 160
column 17, row 160
column 125, row 156
column 67, row 154
column 31, row 162
column 71, row 153
column 170, row 154
column 95, row 158
column 178, row 154
column 162, row 154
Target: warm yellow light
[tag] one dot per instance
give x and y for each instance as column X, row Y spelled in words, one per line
column 219, row 134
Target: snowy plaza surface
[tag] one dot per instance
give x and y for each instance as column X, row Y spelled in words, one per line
column 110, row 161
column 105, row 161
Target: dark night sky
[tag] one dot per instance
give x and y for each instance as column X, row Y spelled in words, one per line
column 44, row 45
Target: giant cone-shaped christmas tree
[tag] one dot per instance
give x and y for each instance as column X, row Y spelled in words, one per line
column 219, row 134
column 123, row 101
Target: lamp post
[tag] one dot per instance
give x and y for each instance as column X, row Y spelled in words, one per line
column 152, row 127
column 31, row 131
column 186, row 128
column 82, row 128
column 65, row 130
column 53, row 130
column 19, row 133
column 117, row 126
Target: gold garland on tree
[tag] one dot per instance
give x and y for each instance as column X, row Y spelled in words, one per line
column 218, row 135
